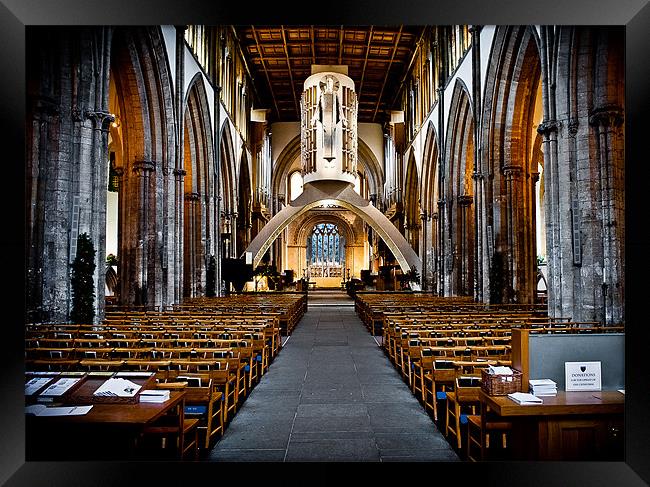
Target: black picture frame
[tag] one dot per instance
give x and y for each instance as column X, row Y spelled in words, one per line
column 16, row 14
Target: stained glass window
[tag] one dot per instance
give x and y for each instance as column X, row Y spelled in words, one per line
column 325, row 251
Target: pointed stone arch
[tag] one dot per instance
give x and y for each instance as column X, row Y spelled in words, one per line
column 140, row 69
column 198, row 189
column 244, row 203
column 411, row 194
column 228, row 187
column 458, row 188
column 429, row 203
column 512, row 85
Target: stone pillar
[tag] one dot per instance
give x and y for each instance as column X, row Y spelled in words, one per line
column 549, row 129
column 606, row 121
column 435, row 284
column 192, row 200
column 464, row 206
column 143, row 170
column 481, row 257
column 531, row 249
column 477, row 176
column 179, row 163
column 424, row 248
column 46, row 116
column 179, row 217
column 101, row 121
column 515, row 227
column 442, row 268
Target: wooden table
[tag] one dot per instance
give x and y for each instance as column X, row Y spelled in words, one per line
column 568, row 426
column 107, row 431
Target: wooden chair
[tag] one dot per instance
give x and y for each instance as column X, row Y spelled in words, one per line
column 203, row 403
column 478, row 433
column 464, row 397
column 173, row 432
column 442, row 376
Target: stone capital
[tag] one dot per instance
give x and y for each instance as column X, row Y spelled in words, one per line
column 144, row 166
column 607, row 116
column 101, row 119
column 465, row 200
column 478, row 176
column 119, row 172
column 573, row 127
column 548, row 126
column 192, row 196
column 180, row 172
column 513, row 171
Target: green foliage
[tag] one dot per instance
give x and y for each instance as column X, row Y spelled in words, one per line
column 111, row 260
column 211, row 278
column 83, row 285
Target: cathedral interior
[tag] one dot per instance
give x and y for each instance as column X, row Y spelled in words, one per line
column 420, row 167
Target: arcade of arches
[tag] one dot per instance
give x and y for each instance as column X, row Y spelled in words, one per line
column 496, row 152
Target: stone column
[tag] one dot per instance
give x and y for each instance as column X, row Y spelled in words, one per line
column 179, row 217
column 606, row 120
column 435, row 254
column 179, row 163
column 477, row 176
column 480, row 255
column 143, row 170
column 101, row 121
column 191, row 202
column 548, row 129
column 515, row 223
column 464, row 203
column 442, row 268
column 424, row 248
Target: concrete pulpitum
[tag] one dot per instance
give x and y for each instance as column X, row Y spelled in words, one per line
column 329, row 166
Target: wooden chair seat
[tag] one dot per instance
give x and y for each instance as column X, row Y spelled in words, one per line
column 475, row 432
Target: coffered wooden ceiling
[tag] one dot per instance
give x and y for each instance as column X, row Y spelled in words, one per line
column 280, row 59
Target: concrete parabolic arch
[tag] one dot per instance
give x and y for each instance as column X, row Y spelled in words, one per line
column 339, row 193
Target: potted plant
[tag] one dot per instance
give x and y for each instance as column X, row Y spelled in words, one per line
column 82, row 282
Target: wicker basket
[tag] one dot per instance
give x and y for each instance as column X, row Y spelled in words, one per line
column 500, row 384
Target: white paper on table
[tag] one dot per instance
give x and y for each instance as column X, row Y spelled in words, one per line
column 41, row 410
column 60, row 386
column 117, row 387
column 35, row 384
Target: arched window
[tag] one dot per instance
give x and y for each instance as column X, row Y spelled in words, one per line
column 295, row 185
column 325, row 251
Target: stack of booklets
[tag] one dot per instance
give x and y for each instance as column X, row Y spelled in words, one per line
column 524, row 398
column 58, row 389
column 154, row 395
column 543, row 387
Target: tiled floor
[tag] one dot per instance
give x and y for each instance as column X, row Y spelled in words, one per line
column 332, row 395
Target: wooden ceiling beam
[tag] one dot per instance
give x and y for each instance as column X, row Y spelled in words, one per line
column 268, row 79
column 399, row 35
column 293, row 86
column 365, row 63
column 340, row 44
column 418, row 45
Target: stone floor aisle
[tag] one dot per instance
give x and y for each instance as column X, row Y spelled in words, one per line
column 332, row 395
